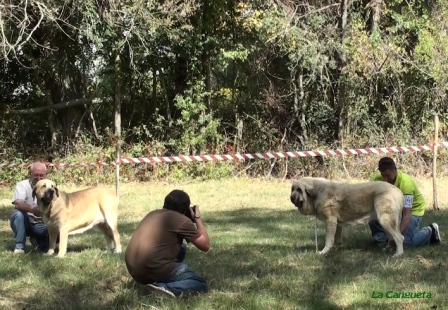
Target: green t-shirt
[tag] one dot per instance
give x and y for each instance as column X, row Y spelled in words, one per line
column 407, row 185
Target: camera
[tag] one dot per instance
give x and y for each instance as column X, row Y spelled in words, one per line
column 189, row 215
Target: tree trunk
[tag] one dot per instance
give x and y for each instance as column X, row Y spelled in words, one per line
column 167, row 100
column 92, row 119
column 58, row 106
column 51, row 118
column 375, row 14
column 341, row 83
column 300, row 106
column 207, row 79
column 205, row 57
column 117, row 119
column 181, row 79
column 154, row 89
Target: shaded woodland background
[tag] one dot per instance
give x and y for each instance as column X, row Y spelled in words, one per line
column 192, row 77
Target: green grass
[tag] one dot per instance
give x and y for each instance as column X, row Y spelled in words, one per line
column 262, row 257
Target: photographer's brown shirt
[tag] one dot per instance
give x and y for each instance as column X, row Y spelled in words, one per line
column 151, row 252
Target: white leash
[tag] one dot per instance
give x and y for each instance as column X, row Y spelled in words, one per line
column 315, row 228
column 315, row 234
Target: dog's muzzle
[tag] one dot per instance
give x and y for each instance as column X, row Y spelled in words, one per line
column 49, row 195
column 296, row 201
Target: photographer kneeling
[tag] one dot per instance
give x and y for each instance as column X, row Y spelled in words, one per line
column 156, row 251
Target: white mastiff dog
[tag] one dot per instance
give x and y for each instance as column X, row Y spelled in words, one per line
column 338, row 204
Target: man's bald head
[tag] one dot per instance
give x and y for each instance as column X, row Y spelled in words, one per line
column 38, row 171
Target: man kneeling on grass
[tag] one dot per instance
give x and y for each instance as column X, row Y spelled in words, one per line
column 156, row 251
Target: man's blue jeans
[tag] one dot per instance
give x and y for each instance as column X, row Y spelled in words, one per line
column 412, row 237
column 183, row 279
column 22, row 227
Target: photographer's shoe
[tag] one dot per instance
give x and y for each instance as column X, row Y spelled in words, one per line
column 435, row 234
column 19, row 251
column 158, row 288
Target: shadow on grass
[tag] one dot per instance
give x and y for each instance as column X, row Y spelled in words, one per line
column 6, row 212
column 292, row 236
column 261, row 258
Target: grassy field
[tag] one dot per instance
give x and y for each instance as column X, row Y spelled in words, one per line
column 262, row 257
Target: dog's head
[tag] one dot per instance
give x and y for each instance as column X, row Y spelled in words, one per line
column 46, row 191
column 303, row 194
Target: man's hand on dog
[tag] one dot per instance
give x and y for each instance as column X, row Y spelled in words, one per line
column 35, row 210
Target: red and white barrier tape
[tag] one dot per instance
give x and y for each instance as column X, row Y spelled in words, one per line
column 242, row 157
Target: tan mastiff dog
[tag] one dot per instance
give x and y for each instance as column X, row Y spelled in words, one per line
column 74, row 213
column 338, row 204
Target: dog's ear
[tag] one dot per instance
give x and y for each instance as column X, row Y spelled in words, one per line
column 56, row 191
column 311, row 191
column 34, row 192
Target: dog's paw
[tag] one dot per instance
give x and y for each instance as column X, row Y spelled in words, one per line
column 396, row 255
column 338, row 246
column 387, row 249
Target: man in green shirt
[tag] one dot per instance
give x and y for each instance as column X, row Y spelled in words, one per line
column 413, row 208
